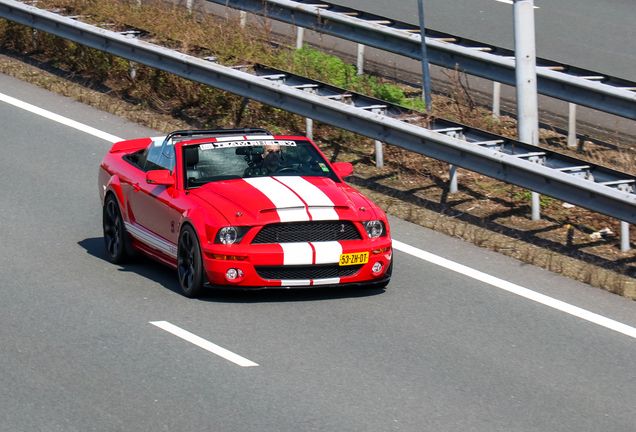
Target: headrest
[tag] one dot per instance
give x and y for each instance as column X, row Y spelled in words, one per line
column 192, row 155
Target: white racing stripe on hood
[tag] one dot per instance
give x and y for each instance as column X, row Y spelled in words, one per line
column 320, row 205
column 293, row 214
column 290, row 207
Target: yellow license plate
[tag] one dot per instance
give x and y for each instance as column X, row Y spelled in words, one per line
column 354, row 258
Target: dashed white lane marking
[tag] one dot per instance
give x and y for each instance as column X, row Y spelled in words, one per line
column 206, row 345
column 516, row 289
column 59, row 119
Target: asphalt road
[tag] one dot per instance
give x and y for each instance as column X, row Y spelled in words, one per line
column 437, row 350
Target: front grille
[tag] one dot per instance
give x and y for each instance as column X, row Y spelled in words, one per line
column 306, row 271
column 307, row 232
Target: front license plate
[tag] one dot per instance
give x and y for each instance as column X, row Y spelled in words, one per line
column 354, row 258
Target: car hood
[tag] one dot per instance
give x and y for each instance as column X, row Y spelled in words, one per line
column 262, row 200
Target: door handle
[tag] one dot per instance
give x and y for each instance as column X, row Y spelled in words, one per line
column 136, row 187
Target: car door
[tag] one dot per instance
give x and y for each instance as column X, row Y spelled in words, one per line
column 150, row 205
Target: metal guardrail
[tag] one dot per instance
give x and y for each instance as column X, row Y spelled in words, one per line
column 594, row 187
column 579, row 86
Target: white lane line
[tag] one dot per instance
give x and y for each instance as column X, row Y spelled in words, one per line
column 206, row 345
column 516, row 289
column 58, row 118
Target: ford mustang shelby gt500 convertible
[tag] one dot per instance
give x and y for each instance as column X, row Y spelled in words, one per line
column 241, row 208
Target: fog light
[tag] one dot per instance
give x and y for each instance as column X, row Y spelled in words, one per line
column 377, row 267
column 233, row 273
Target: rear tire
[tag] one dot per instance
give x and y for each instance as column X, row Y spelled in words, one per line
column 190, row 263
column 116, row 238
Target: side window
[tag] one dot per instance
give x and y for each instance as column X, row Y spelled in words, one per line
column 142, row 156
column 166, row 158
column 159, row 157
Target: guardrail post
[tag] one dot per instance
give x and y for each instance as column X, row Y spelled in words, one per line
column 379, row 157
column 624, row 236
column 536, row 206
column 453, row 178
column 299, row 37
column 309, row 123
column 379, row 152
column 360, row 59
column 496, row 99
column 526, row 78
column 572, row 125
column 133, row 70
column 426, row 77
column 243, row 18
column 189, row 5
column 309, row 126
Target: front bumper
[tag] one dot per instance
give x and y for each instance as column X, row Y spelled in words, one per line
column 271, row 266
column 368, row 284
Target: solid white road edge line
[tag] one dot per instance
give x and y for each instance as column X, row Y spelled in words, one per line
column 516, row 289
column 58, row 118
column 206, row 345
column 467, row 271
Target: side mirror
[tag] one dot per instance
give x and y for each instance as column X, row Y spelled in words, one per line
column 160, row 177
column 343, row 169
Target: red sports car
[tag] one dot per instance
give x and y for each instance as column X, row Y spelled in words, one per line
column 243, row 209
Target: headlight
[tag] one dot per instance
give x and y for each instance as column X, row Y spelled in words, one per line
column 374, row 228
column 231, row 235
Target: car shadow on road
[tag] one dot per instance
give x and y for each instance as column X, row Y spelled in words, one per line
column 140, row 265
column 287, row 295
column 167, row 278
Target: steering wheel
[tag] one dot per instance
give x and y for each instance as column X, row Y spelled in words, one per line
column 294, row 169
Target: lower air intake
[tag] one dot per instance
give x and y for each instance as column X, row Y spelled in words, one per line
column 306, row 272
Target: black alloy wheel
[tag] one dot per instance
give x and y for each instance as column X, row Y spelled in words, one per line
column 189, row 263
column 115, row 237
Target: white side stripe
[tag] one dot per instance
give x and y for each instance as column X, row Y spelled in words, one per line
column 151, row 239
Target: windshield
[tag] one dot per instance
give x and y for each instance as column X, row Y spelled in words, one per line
column 210, row 162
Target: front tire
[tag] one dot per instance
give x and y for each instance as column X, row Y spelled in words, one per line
column 190, row 263
column 115, row 236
